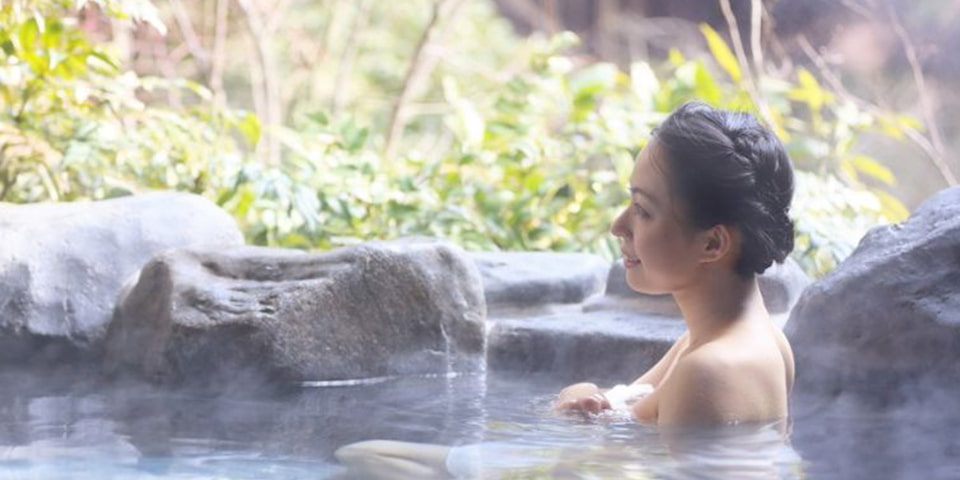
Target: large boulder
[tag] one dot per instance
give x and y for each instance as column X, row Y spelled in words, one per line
column 63, row 264
column 377, row 309
column 515, row 281
column 888, row 318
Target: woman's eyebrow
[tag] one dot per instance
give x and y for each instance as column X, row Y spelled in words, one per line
column 640, row 191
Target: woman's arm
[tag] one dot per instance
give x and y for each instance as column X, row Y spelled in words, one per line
column 589, row 397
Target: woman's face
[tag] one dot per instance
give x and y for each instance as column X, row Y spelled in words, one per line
column 659, row 248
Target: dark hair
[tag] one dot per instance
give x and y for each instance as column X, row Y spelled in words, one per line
column 729, row 169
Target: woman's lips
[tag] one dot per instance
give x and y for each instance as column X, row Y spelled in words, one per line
column 630, row 262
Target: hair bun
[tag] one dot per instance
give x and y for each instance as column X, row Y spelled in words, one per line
column 731, row 170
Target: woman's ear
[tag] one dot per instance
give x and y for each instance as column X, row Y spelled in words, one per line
column 719, row 243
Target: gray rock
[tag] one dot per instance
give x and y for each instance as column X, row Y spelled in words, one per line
column 619, row 297
column 62, row 265
column 598, row 346
column 523, row 280
column 376, row 309
column 888, row 318
column 781, row 286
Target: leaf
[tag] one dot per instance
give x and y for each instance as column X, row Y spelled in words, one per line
column 28, row 34
column 8, row 48
column 533, row 181
column 198, row 89
column 644, row 81
column 249, row 126
column 294, row 240
column 101, row 61
column 892, row 207
column 563, row 41
column 470, row 124
column 319, row 117
column 246, row 199
column 354, row 138
column 705, row 86
column 872, row 168
column 721, row 52
column 909, row 121
column 675, row 58
column 809, row 91
column 595, row 79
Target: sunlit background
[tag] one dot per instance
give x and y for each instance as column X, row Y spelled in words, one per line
column 506, row 124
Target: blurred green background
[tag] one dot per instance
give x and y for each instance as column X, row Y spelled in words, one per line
column 495, row 124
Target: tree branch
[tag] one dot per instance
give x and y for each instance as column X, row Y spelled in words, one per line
column 748, row 75
column 218, row 59
column 263, row 76
column 182, row 17
column 421, row 64
column 929, row 112
column 347, row 56
column 756, row 30
column 913, row 134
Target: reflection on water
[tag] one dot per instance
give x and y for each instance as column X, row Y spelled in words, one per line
column 759, row 452
column 500, row 427
column 618, row 451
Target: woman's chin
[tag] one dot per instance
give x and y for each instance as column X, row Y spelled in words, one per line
column 641, row 285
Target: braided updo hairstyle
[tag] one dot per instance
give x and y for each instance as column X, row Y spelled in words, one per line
column 729, row 169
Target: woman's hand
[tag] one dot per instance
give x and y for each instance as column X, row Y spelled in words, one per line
column 583, row 397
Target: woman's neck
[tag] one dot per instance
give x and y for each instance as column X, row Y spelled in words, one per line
column 718, row 301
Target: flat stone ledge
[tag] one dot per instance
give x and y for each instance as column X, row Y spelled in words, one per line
column 594, row 346
column 525, row 280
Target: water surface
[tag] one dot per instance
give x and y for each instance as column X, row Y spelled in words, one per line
column 74, row 429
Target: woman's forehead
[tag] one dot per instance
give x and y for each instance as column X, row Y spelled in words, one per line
column 648, row 174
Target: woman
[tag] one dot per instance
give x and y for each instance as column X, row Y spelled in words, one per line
column 710, row 196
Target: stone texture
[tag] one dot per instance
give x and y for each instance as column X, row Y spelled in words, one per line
column 615, row 336
column 522, row 280
column 372, row 310
column 781, row 286
column 576, row 346
column 888, row 318
column 62, row 265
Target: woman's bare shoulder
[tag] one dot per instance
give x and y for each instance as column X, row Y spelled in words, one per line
column 718, row 383
column 697, row 392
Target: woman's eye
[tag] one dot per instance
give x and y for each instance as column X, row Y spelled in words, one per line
column 640, row 211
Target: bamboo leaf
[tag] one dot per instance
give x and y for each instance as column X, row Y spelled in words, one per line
column 705, row 86
column 892, row 207
column 721, row 52
column 872, row 168
column 28, row 35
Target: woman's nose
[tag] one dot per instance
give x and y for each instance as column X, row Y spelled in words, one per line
column 619, row 227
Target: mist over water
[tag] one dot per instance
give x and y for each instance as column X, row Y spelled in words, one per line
column 71, row 428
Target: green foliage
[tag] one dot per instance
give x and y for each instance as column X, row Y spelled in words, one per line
column 74, row 125
column 540, row 159
column 511, row 143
